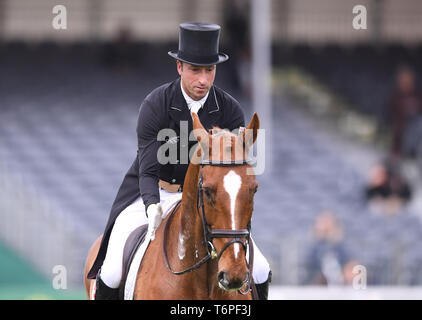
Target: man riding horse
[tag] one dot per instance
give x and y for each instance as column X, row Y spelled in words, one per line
column 148, row 183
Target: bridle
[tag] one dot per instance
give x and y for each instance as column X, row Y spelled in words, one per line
column 210, row 234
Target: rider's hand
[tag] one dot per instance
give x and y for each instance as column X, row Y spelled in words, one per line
column 155, row 215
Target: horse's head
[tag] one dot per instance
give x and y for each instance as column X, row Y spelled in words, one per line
column 226, row 193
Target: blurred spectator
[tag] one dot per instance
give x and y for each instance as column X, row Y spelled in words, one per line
column 387, row 190
column 119, row 54
column 327, row 261
column 406, row 114
column 236, row 23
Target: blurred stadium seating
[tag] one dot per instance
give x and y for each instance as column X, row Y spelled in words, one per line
column 68, row 129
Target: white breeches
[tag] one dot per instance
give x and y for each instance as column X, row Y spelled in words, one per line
column 134, row 216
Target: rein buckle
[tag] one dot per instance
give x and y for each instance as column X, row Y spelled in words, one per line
column 213, row 252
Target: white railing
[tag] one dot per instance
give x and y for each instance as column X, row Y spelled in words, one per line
column 38, row 232
column 344, row 293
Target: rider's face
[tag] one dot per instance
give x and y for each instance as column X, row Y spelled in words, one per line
column 196, row 80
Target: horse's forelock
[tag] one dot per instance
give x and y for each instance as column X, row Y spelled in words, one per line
column 229, row 143
column 217, row 131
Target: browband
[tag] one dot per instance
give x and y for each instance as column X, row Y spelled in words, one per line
column 227, row 163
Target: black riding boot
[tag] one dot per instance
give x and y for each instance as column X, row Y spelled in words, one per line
column 103, row 292
column 262, row 288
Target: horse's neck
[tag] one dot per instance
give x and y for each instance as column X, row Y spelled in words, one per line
column 190, row 239
column 190, row 222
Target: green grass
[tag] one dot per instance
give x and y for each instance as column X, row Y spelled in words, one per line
column 19, row 280
column 39, row 292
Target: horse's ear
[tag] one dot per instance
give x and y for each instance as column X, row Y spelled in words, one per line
column 251, row 133
column 200, row 133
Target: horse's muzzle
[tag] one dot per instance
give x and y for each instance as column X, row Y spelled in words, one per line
column 231, row 284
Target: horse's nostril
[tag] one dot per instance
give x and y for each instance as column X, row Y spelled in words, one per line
column 222, row 278
column 221, row 275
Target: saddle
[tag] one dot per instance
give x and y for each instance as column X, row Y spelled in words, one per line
column 133, row 242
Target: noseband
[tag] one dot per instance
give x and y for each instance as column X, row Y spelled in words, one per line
column 210, row 234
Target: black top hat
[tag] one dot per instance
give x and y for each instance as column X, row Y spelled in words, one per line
column 198, row 44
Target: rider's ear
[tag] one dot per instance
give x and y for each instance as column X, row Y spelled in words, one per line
column 251, row 133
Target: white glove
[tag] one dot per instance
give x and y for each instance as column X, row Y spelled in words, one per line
column 155, row 215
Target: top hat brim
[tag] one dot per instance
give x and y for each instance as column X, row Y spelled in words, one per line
column 222, row 57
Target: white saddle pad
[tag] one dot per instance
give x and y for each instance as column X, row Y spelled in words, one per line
column 167, row 206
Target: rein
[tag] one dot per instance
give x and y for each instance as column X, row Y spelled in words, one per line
column 210, row 234
column 195, row 266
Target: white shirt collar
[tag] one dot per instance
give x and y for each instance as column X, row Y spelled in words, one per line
column 189, row 100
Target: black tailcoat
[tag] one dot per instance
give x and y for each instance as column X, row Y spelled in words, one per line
column 165, row 107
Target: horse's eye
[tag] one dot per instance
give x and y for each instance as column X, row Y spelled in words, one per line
column 207, row 192
column 209, row 196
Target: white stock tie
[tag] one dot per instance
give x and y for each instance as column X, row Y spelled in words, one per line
column 195, row 106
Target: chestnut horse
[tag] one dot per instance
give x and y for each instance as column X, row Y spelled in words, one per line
column 199, row 251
